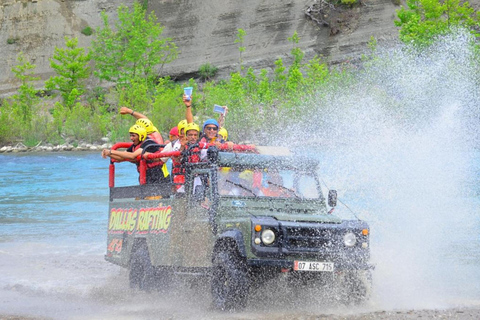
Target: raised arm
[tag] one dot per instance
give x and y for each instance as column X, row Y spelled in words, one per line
column 221, row 119
column 188, row 109
column 137, row 115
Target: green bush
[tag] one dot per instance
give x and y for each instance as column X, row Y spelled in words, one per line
column 88, row 31
column 12, row 40
column 207, row 71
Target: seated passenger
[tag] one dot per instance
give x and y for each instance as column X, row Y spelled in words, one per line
column 210, row 132
column 172, row 135
column 173, row 144
column 181, row 128
column 191, row 135
column 273, row 186
column 210, row 127
column 223, row 133
column 178, row 173
column 138, row 136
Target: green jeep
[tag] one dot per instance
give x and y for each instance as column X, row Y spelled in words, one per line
column 239, row 219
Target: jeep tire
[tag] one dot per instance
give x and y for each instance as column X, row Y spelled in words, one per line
column 229, row 281
column 142, row 273
column 356, row 287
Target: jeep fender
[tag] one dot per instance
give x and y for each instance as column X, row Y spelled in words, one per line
column 231, row 239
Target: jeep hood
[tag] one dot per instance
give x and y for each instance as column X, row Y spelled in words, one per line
column 298, row 211
column 305, row 217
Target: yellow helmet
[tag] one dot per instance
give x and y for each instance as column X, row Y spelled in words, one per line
column 147, row 124
column 181, row 125
column 191, row 126
column 138, row 129
column 224, row 133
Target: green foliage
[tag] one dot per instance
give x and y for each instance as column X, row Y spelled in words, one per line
column 424, row 20
column 43, row 129
column 258, row 102
column 71, row 67
column 134, row 49
column 25, row 99
column 83, row 123
column 207, row 71
column 348, row 2
column 12, row 40
column 372, row 44
column 239, row 39
column 136, row 95
column 88, row 31
column 8, row 130
column 167, row 106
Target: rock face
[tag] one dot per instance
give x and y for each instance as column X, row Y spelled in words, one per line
column 204, row 30
column 36, row 27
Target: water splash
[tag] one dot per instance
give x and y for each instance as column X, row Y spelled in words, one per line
column 399, row 143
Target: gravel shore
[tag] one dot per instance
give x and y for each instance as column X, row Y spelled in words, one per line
column 454, row 313
column 20, row 147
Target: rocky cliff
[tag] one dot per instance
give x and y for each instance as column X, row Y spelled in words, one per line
column 204, row 30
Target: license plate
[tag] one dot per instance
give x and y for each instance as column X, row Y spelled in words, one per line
column 313, row 266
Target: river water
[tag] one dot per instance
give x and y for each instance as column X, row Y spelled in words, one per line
column 53, row 218
column 400, row 144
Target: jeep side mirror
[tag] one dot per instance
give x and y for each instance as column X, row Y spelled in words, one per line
column 332, row 198
column 199, row 193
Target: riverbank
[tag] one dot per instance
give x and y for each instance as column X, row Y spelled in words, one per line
column 454, row 314
column 20, row 147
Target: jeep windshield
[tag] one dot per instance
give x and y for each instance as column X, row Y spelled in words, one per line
column 267, row 183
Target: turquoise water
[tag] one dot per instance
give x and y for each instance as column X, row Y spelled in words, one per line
column 57, row 195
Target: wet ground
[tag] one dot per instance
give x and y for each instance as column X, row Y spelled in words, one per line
column 114, row 300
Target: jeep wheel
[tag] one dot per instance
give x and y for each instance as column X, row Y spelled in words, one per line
column 356, row 287
column 229, row 282
column 142, row 273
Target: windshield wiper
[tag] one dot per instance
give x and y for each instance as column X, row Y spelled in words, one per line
column 284, row 188
column 242, row 187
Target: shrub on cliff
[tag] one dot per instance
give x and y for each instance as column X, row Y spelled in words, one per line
column 424, row 20
column 71, row 66
column 134, row 48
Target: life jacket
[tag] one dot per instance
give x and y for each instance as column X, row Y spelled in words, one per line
column 156, row 136
column 190, row 155
column 150, row 163
column 178, row 173
column 204, row 139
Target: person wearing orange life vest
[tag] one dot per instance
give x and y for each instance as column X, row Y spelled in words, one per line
column 138, row 135
column 142, row 120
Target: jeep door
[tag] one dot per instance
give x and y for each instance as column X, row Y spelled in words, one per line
column 198, row 226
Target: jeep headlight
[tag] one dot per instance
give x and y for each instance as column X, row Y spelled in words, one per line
column 349, row 239
column 268, row 237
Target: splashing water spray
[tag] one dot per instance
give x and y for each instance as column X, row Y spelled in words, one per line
column 399, row 142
